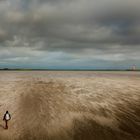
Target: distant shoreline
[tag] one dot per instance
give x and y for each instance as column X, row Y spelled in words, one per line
column 67, row 70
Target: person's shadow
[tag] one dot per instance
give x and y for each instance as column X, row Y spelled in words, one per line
column 1, row 126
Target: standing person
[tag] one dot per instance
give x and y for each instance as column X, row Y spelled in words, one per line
column 6, row 118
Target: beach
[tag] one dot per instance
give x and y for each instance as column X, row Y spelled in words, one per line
column 70, row 105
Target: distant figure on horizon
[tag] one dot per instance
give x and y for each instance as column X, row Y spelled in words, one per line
column 6, row 118
column 134, row 67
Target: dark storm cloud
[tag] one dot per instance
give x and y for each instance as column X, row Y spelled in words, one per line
column 78, row 27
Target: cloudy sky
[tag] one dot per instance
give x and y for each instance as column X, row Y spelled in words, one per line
column 83, row 34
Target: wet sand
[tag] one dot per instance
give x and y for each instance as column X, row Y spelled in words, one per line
column 62, row 105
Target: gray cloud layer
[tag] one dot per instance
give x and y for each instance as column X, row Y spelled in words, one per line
column 78, row 31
